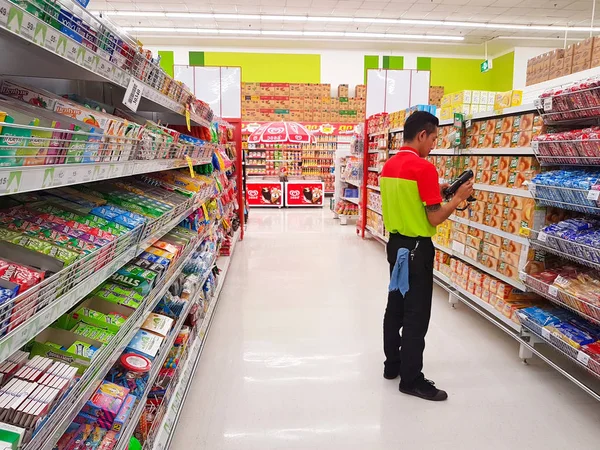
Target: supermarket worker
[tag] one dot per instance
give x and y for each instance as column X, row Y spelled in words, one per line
column 412, row 208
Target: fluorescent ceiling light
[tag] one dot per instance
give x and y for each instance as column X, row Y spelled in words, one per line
column 389, row 21
column 334, row 34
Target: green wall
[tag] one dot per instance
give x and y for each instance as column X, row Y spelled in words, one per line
column 270, row 67
column 456, row 74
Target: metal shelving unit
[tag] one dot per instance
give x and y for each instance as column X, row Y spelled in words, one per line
column 70, row 406
column 127, row 432
column 63, row 57
column 165, row 431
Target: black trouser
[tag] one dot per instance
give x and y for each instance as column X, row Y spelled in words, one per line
column 410, row 312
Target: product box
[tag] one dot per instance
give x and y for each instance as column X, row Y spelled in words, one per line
column 95, row 312
column 462, row 98
column 123, row 415
column 28, row 95
column 51, row 342
column 106, row 403
column 145, row 343
column 11, row 436
column 158, row 324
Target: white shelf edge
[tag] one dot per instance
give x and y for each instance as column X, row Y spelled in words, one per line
column 502, row 190
column 467, row 296
column 376, row 234
column 521, row 240
column 516, row 283
column 396, row 130
column 442, row 152
column 373, row 169
column 489, row 308
column 378, row 133
column 351, row 200
column 353, row 183
column 376, row 212
column 375, row 188
column 33, row 178
column 521, row 151
column 446, row 122
column 527, row 107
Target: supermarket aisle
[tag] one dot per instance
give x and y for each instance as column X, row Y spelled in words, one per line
column 294, row 360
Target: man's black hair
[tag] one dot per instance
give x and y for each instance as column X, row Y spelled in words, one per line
column 417, row 122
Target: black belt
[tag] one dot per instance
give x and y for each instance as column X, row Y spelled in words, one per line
column 409, row 238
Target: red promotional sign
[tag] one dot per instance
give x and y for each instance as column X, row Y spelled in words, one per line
column 304, row 193
column 317, row 129
column 264, row 194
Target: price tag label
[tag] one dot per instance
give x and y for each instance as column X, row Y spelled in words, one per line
column 190, row 166
column 522, row 276
column 116, row 171
column 593, row 195
column 458, row 247
column 28, row 26
column 100, row 172
column 535, row 145
column 133, row 94
column 52, row 37
column 537, row 103
column 103, row 67
column 59, row 176
column 71, row 50
column 583, row 358
column 72, row 175
column 90, row 61
column 468, row 123
column 4, row 7
column 553, row 291
column 542, row 237
column 531, row 187
column 548, row 104
column 15, row 18
column 86, row 174
column 81, row 53
column 39, row 36
column 545, row 333
column 4, row 176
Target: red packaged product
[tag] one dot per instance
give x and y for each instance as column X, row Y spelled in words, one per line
column 24, row 276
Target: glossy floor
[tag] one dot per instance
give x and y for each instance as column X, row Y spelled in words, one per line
column 293, row 360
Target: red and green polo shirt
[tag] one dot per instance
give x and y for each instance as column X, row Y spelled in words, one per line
column 408, row 183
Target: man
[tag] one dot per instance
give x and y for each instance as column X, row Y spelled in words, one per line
column 412, row 208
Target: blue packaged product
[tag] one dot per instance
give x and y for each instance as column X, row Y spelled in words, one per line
column 104, row 213
column 540, row 316
column 124, row 212
column 572, row 335
column 155, row 259
column 128, row 222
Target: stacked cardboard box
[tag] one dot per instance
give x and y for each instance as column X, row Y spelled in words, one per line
column 301, row 103
column 466, row 102
column 435, row 95
column 576, row 57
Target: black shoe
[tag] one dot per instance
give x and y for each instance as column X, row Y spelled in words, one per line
column 390, row 374
column 425, row 389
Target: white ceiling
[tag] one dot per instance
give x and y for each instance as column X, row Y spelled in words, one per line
column 514, row 12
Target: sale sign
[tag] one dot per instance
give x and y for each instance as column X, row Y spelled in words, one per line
column 304, row 193
column 316, row 129
column 264, row 194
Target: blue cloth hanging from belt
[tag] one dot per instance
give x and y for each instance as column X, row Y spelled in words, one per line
column 399, row 278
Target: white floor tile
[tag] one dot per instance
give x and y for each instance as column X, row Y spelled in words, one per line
column 294, row 360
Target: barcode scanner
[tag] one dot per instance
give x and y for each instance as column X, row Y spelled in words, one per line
column 462, row 179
